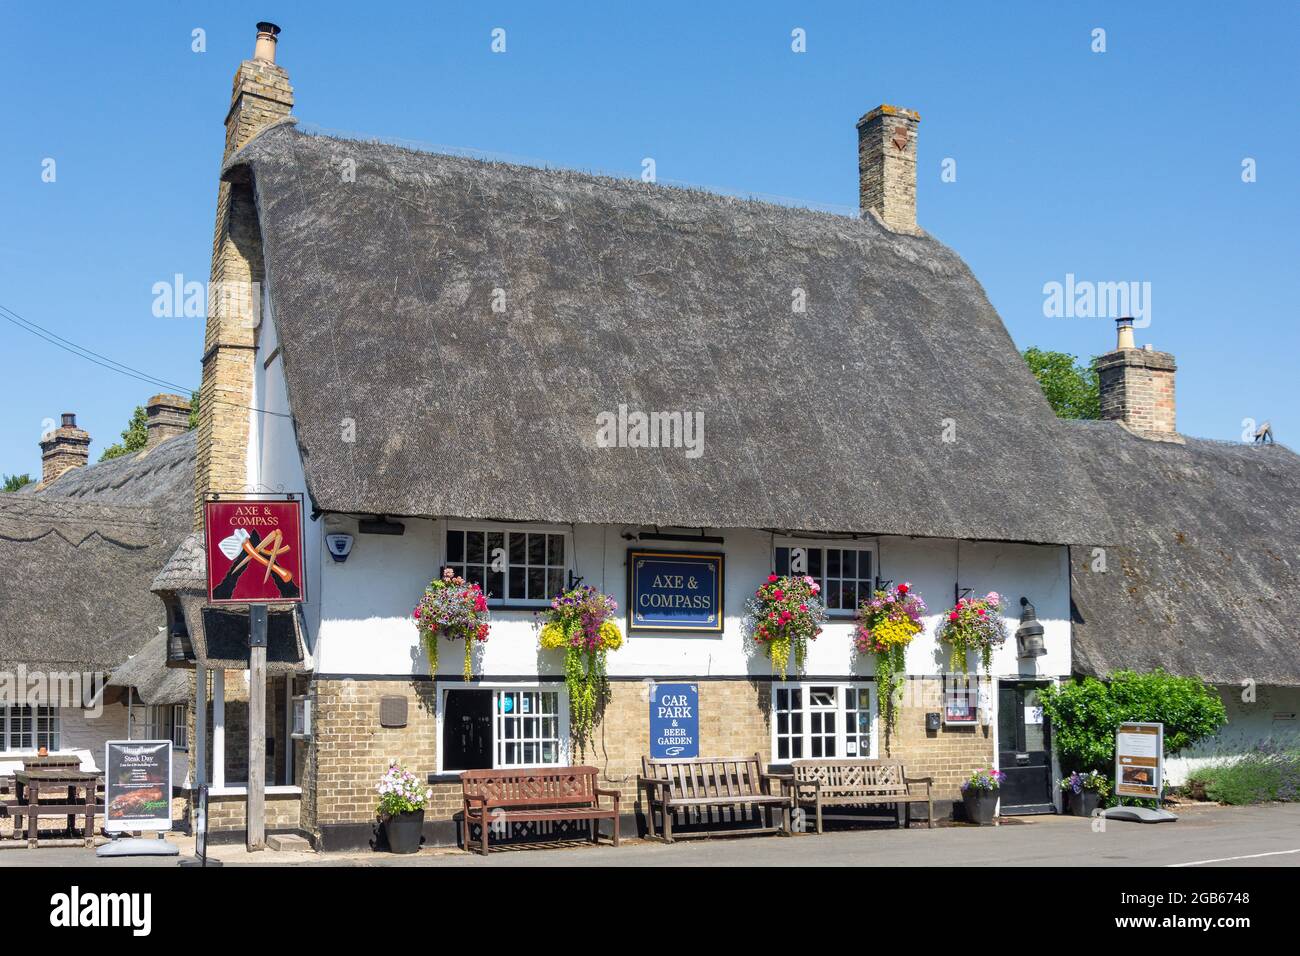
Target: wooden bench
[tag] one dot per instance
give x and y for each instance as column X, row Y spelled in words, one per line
column 502, row 797
column 857, row 783
column 696, row 790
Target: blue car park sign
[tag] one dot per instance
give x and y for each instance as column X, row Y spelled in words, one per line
column 674, row 591
column 674, row 721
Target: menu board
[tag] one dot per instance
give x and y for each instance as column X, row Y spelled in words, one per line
column 138, row 785
column 1139, row 760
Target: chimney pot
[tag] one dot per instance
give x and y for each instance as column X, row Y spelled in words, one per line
column 1124, row 333
column 264, row 49
column 69, row 420
column 887, row 166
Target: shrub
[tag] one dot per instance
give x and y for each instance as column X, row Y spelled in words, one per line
column 1085, row 714
column 1269, row 771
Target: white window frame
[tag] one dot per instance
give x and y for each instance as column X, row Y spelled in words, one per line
column 441, row 688
column 507, row 528
column 9, row 723
column 841, row 722
column 842, row 544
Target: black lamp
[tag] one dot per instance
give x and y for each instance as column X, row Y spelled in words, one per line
column 1029, row 635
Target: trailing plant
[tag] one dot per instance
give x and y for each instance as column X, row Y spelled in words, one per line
column 581, row 623
column 974, row 624
column 887, row 623
column 786, row 613
column 1093, row 781
column 453, row 609
column 985, row 780
column 1086, row 713
column 400, row 791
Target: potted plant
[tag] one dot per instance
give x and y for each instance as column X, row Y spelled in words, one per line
column 581, row 623
column 401, row 808
column 979, row 795
column 887, row 623
column 974, row 624
column 455, row 610
column 786, row 613
column 1084, row 792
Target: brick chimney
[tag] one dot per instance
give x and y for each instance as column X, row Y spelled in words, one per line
column 63, row 449
column 166, row 417
column 1137, row 387
column 261, row 96
column 887, row 166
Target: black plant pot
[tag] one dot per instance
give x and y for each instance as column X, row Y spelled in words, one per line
column 1082, row 804
column 979, row 805
column 403, row 831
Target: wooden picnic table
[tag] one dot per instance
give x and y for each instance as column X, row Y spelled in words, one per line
column 31, row 785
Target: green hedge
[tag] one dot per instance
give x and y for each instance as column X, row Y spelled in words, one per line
column 1086, row 713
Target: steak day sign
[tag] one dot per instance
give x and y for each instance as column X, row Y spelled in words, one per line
column 254, row 551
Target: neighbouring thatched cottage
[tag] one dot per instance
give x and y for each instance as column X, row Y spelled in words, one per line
column 455, row 361
column 80, row 634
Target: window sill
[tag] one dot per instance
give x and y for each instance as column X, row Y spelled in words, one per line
column 241, row 790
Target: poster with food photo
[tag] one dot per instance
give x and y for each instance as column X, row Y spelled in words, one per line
column 137, row 785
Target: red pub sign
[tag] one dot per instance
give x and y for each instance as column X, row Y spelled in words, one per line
column 254, row 551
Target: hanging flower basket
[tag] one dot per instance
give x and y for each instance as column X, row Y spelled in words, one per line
column 786, row 613
column 581, row 623
column 887, row 623
column 455, row 610
column 974, row 624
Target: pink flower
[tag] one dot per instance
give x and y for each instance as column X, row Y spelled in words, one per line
column 803, row 607
column 816, row 588
column 771, row 579
column 953, row 616
column 778, row 594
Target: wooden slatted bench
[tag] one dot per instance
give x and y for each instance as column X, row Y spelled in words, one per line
column 857, row 783
column 698, row 789
column 536, row 795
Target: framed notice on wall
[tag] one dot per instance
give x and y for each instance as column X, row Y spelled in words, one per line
column 674, row 591
column 254, row 550
column 137, row 785
column 1139, row 760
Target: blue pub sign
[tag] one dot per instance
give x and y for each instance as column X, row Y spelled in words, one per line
column 674, row 591
column 674, row 721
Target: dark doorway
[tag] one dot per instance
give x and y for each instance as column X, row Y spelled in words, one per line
column 467, row 731
column 1024, row 750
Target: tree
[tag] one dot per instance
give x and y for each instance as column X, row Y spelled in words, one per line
column 1085, row 714
column 1073, row 390
column 14, row 482
column 134, row 436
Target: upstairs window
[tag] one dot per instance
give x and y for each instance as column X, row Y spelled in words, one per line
column 846, row 574
column 512, row 567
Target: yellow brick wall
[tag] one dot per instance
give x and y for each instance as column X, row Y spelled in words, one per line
column 350, row 751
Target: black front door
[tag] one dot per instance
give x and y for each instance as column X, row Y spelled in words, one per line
column 1024, row 749
column 467, row 730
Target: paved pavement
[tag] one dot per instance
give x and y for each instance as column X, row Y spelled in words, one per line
column 1203, row 836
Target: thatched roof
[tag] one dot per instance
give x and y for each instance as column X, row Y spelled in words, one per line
column 147, row 672
column 658, row 299
column 1205, row 572
column 79, row 555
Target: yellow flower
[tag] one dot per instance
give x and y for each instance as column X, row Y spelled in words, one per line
column 891, row 633
column 553, row 637
column 611, row 638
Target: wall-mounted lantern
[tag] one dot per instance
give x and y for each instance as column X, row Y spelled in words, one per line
column 1029, row 635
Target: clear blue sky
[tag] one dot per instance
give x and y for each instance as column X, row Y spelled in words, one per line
column 1115, row 166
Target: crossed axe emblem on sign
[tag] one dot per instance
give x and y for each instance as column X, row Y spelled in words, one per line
column 265, row 554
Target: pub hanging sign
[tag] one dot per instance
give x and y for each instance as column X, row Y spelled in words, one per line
column 674, row 591
column 254, row 550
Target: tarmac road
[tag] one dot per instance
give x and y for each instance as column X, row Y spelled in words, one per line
column 1210, row 836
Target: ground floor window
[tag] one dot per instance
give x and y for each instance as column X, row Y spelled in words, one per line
column 816, row 720
column 496, row 727
column 29, row 727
